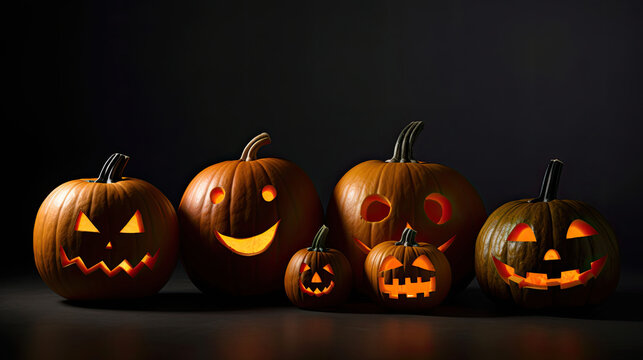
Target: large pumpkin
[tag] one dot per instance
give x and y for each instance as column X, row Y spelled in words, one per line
column 318, row 277
column 405, row 275
column 242, row 220
column 376, row 200
column 546, row 252
column 109, row 237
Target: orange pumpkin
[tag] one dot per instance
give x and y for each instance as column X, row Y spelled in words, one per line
column 242, row 220
column 376, row 200
column 109, row 237
column 318, row 277
column 405, row 275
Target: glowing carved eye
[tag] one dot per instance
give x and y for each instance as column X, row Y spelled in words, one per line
column 579, row 228
column 438, row 208
column 423, row 262
column 329, row 269
column 390, row 263
column 304, row 267
column 522, row 233
column 269, row 193
column 216, row 195
column 375, row 208
column 83, row 224
column 134, row 225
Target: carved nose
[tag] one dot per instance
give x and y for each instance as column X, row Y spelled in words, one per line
column 316, row 278
column 552, row 254
column 109, row 246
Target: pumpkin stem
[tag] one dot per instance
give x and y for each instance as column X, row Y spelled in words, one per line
column 250, row 151
column 397, row 150
column 407, row 145
column 408, row 238
column 403, row 151
column 112, row 170
column 319, row 241
column 549, row 188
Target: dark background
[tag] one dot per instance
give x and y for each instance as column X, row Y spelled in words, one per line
column 502, row 87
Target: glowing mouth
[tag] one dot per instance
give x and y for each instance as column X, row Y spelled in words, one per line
column 251, row 246
column 540, row 281
column 147, row 260
column 317, row 292
column 410, row 289
column 365, row 249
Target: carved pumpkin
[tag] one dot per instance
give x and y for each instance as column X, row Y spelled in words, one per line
column 405, row 275
column 376, row 200
column 242, row 220
column 318, row 277
column 109, row 237
column 546, row 252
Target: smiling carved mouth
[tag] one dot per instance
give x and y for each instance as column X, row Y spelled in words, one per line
column 317, row 292
column 365, row 249
column 250, row 246
column 540, row 281
column 410, row 289
column 147, row 260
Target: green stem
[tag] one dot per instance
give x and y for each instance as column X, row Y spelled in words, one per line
column 319, row 241
column 408, row 238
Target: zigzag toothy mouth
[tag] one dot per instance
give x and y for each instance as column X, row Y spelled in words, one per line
column 540, row 281
column 317, row 292
column 147, row 260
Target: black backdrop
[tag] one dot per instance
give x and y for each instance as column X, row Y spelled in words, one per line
column 502, row 87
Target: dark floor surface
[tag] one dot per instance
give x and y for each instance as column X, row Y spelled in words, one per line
column 181, row 323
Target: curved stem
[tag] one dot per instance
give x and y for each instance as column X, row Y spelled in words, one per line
column 407, row 144
column 112, row 170
column 549, row 188
column 408, row 238
column 397, row 150
column 319, row 241
column 250, row 151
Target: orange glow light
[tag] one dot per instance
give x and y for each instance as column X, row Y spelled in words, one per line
column 217, row 195
column 390, row 263
column 250, row 246
column 438, row 208
column 147, row 260
column 579, row 228
column 362, row 247
column 134, row 225
column 522, row 233
column 552, row 254
column 423, row 262
column 84, row 224
column 269, row 193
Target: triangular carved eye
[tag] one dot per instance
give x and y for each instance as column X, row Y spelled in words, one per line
column 522, row 233
column 329, row 269
column 84, row 224
column 423, row 262
column 134, row 225
column 304, row 267
column 579, row 228
column 390, row 263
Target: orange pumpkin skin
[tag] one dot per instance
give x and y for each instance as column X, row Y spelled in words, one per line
column 109, row 206
column 306, row 264
column 406, row 185
column 549, row 220
column 408, row 274
column 241, row 212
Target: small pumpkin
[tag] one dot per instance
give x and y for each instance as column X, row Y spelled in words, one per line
column 318, row 277
column 376, row 200
column 547, row 252
column 406, row 275
column 241, row 221
column 108, row 237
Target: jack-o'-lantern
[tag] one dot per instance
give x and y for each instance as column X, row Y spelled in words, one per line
column 109, row 237
column 546, row 252
column 406, row 275
column 376, row 200
column 318, row 277
column 241, row 221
